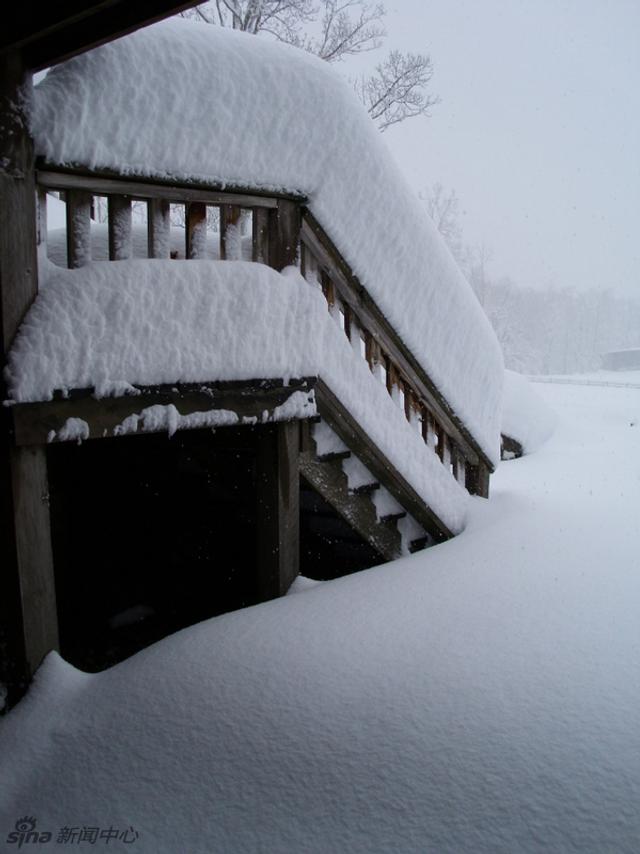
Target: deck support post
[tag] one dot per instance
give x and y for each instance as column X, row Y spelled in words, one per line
column 278, row 497
column 285, row 223
column 28, row 620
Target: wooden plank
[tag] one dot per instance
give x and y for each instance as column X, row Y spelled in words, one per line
column 352, row 434
column 278, row 506
column 120, row 236
column 38, row 423
column 195, row 230
column 260, row 236
column 78, row 228
column 141, row 189
column 230, row 236
column 158, row 228
column 284, row 234
column 369, row 315
column 355, row 508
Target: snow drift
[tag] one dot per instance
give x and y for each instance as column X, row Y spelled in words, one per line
column 525, row 415
column 191, row 102
column 478, row 697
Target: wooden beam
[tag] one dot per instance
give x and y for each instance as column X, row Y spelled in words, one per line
column 342, row 422
column 140, row 188
column 18, row 265
column 39, row 423
column 27, row 602
column 278, row 497
column 54, row 32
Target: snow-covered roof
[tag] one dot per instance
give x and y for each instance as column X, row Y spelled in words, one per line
column 114, row 324
column 187, row 101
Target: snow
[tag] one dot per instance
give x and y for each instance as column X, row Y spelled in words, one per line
column 525, row 416
column 116, row 325
column 191, row 102
column 481, row 696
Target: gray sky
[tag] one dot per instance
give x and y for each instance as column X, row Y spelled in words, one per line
column 538, row 131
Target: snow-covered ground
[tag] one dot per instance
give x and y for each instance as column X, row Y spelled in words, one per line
column 482, row 696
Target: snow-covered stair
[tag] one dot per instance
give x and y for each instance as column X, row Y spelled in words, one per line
column 342, row 480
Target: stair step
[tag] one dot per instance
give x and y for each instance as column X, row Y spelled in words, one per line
column 334, row 455
column 365, row 489
column 419, row 544
column 393, row 517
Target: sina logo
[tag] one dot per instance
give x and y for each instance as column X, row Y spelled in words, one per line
column 26, row 832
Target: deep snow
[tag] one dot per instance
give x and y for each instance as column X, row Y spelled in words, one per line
column 188, row 101
column 117, row 324
column 481, row 696
column 525, row 416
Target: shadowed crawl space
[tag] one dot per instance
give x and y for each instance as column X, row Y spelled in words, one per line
column 152, row 534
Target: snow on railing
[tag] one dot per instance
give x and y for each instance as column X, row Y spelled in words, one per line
column 369, row 340
column 282, row 233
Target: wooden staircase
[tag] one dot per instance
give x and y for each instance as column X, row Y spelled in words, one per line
column 357, row 505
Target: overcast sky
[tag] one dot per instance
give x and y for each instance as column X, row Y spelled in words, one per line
column 538, row 131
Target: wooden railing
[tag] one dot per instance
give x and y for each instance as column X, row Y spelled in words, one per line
column 273, row 221
column 282, row 232
column 406, row 381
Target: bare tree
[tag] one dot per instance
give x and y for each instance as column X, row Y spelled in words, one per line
column 395, row 92
column 343, row 35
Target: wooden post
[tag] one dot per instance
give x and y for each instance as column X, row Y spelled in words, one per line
column 196, row 229
column 230, row 235
column 260, row 235
column 120, row 239
column 158, row 228
column 278, row 494
column 285, row 223
column 329, row 291
column 477, row 481
column 78, row 228
column 28, row 621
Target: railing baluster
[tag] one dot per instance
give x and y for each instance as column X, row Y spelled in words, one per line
column 158, row 228
column 230, row 237
column 196, row 230
column 120, row 246
column 78, row 228
column 260, row 251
